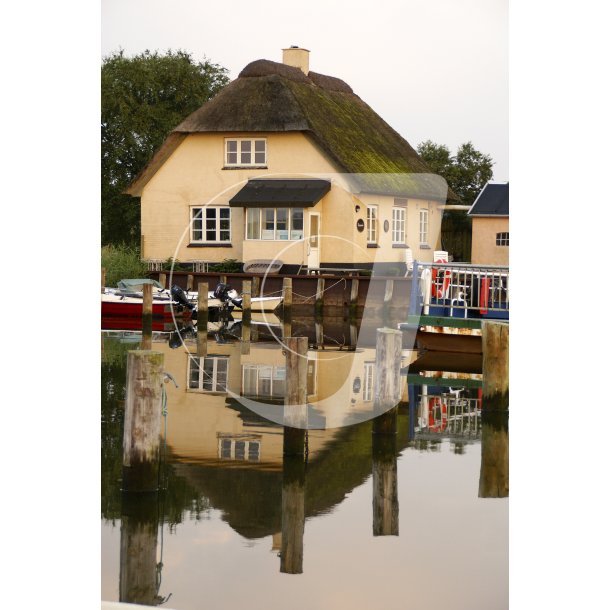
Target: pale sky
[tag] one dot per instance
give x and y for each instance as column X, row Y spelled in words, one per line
column 433, row 69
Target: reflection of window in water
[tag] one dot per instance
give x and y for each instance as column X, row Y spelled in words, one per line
column 367, row 391
column 208, row 374
column 239, row 447
column 311, row 376
column 264, row 381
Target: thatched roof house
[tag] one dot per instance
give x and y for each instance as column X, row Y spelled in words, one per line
column 325, row 181
column 273, row 97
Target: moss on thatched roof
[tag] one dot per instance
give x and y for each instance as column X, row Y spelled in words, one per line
column 273, row 97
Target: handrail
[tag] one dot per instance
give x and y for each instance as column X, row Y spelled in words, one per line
column 459, row 290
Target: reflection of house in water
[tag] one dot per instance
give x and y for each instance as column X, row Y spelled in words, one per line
column 236, row 393
column 230, row 453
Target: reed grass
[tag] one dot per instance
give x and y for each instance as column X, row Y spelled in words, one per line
column 122, row 262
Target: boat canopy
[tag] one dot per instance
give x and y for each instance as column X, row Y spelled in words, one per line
column 137, row 285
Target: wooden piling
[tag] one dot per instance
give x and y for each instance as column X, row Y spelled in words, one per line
column 246, row 316
column 389, row 291
column 202, row 319
column 138, row 550
column 103, row 279
column 353, row 297
column 287, row 297
column 287, row 306
column 385, row 486
column 147, row 312
column 353, row 333
column 189, row 282
column 295, row 401
column 163, row 280
column 319, row 326
column 293, row 515
column 142, row 424
column 319, row 305
column 256, row 286
column 493, row 478
column 494, row 336
column 246, row 304
column 387, row 385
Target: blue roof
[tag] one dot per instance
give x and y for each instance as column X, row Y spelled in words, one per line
column 492, row 201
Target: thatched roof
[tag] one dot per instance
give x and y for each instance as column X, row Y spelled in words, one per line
column 274, row 97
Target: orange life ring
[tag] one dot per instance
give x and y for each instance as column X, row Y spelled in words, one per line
column 440, row 292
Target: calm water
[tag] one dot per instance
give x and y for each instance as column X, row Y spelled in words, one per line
column 239, row 526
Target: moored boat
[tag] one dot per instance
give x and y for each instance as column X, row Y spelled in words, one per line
column 126, row 300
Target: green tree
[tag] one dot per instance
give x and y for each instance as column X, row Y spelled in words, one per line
column 143, row 98
column 466, row 174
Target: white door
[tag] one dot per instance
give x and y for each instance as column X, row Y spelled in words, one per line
column 313, row 241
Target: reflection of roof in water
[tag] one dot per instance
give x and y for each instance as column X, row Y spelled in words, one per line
column 251, row 498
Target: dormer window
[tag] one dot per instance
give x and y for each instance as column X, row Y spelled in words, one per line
column 245, row 152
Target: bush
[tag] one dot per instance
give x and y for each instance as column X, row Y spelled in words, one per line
column 228, row 265
column 122, row 262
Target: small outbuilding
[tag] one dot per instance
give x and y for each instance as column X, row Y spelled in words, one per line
column 489, row 215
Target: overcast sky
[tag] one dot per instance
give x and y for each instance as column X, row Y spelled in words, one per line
column 433, row 69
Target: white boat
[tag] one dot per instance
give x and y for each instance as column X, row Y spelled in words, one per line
column 126, row 299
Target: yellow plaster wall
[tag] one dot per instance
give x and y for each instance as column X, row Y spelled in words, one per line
column 194, row 175
column 484, row 249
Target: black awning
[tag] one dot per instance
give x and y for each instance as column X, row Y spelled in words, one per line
column 281, row 193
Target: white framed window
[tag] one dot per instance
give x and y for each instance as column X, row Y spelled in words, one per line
column 208, row 374
column 367, row 389
column 263, row 381
column 211, row 224
column 423, row 227
column 245, row 152
column 274, row 223
column 399, row 225
column 371, row 224
column 239, row 447
column 502, row 239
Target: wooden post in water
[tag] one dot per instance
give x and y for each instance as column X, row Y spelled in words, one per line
column 353, row 333
column 202, row 319
column 353, row 298
column 295, row 401
column 147, row 312
column 287, row 307
column 246, row 316
column 138, row 554
column 246, row 305
column 493, row 479
column 189, row 282
column 387, row 299
column 385, row 485
column 494, row 337
column 256, row 286
column 287, row 296
column 103, row 279
column 293, row 515
column 387, row 386
column 319, row 326
column 319, row 306
column 163, row 280
column 142, row 426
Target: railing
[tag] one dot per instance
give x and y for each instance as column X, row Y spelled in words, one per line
column 449, row 415
column 459, row 290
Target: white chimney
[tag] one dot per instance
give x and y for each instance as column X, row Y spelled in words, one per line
column 297, row 58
